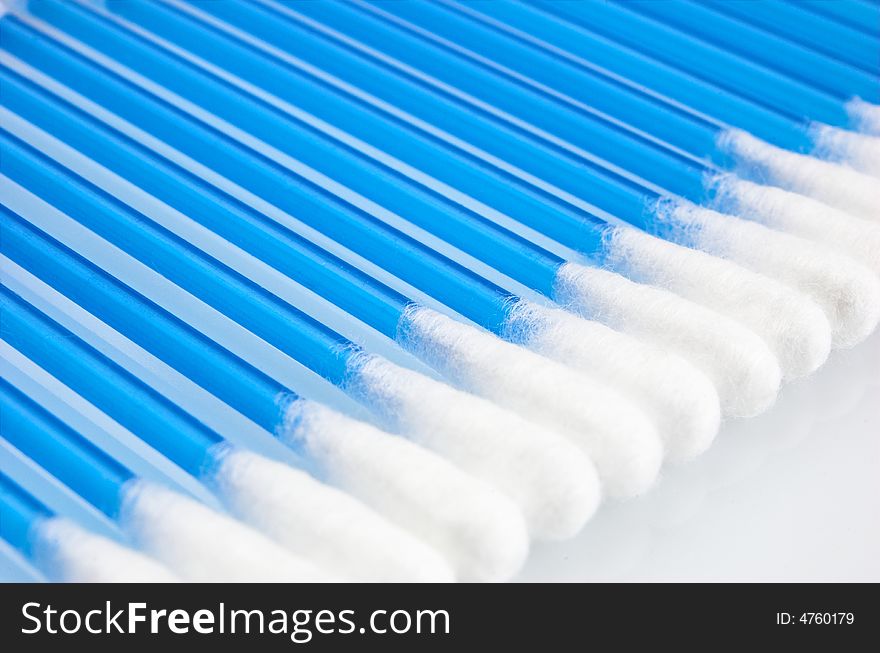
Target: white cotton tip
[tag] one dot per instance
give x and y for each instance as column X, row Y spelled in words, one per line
column 479, row 530
column 202, row 545
column 680, row 399
column 550, row 479
column 828, row 182
column 847, row 291
column 789, row 321
column 618, row 437
column 859, row 151
column 70, row 554
column 745, row 372
column 864, row 116
column 802, row 216
column 323, row 524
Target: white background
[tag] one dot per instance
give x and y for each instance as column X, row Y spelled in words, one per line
column 791, row 495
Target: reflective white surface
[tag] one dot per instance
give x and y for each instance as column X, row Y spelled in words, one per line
column 791, row 495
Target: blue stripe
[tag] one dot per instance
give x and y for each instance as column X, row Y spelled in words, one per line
column 419, row 265
column 20, row 512
column 317, row 347
column 62, row 452
column 167, row 337
column 315, row 268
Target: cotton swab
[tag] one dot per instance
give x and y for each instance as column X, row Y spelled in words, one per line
column 547, row 77
column 627, row 455
column 797, row 101
column 802, row 216
column 690, row 424
column 480, row 531
column 860, row 151
column 310, row 265
column 708, row 292
column 839, row 186
column 559, row 493
column 426, row 333
column 484, row 535
column 845, row 289
column 346, row 235
column 800, row 63
column 580, row 236
column 696, row 103
column 682, row 401
column 495, row 367
column 582, row 89
column 594, row 421
column 799, row 333
column 635, row 108
column 865, row 116
column 319, row 522
column 65, row 552
column 848, row 292
column 192, row 540
column 633, row 211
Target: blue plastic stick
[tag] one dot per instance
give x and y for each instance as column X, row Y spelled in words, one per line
column 436, row 275
column 400, row 195
column 862, row 16
column 421, row 266
column 601, row 127
column 388, row 187
column 194, row 355
column 463, row 291
column 846, row 44
column 58, row 449
column 470, row 132
column 112, row 389
column 317, row 347
column 482, row 238
column 616, row 195
column 20, row 512
column 709, row 63
column 584, row 49
column 798, row 63
column 520, row 259
column 450, row 161
column 344, row 285
column 363, row 296
column 556, row 79
column 573, row 130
